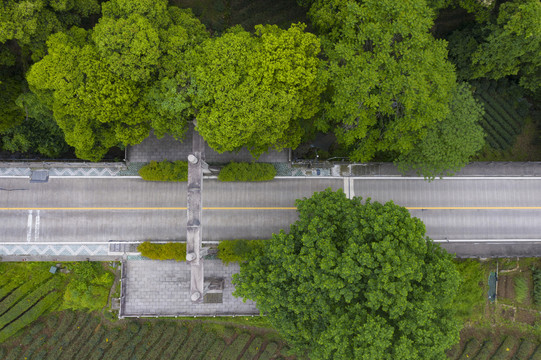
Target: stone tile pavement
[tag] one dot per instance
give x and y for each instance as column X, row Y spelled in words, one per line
column 168, row 148
column 162, row 288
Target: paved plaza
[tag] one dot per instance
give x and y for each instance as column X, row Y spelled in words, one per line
column 168, row 148
column 162, row 288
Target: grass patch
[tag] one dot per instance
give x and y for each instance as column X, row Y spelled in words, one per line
column 471, row 293
column 521, row 289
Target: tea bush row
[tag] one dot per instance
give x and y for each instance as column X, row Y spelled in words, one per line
column 22, row 291
column 233, row 350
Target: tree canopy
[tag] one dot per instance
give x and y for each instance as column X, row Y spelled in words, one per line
column 254, row 90
column 389, row 78
column 451, row 142
column 513, row 45
column 97, row 82
column 354, row 280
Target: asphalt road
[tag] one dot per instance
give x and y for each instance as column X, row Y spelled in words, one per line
column 87, row 210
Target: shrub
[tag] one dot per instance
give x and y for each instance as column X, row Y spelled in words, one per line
column 165, row 171
column 537, row 286
column 167, row 251
column 521, row 289
column 247, row 172
column 88, row 287
column 239, row 250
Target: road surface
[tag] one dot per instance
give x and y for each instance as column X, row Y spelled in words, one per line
column 99, row 210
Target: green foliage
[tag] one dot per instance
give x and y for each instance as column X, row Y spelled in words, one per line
column 505, row 347
column 358, row 271
column 254, row 90
column 10, row 114
column 96, row 82
column 470, row 349
column 88, row 287
column 239, row 250
column 253, row 349
column 451, row 142
column 505, row 112
column 236, row 347
column 521, row 289
column 470, row 297
column 513, row 45
column 524, row 350
column 247, row 172
column 165, row 171
column 536, row 276
column 30, row 22
column 168, row 251
column 389, row 78
column 486, row 349
column 269, row 351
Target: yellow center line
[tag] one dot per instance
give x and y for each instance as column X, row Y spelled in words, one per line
column 266, row 208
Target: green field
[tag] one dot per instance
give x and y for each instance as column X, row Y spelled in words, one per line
column 83, row 336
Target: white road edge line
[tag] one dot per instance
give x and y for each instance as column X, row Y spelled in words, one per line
column 29, row 227
column 397, row 177
column 486, row 240
column 36, row 229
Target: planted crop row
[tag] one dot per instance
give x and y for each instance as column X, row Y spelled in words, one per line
column 149, row 341
column 505, row 347
column 486, row 350
column 30, row 316
column 130, row 346
column 167, row 337
column 8, row 288
column 470, row 349
column 66, row 322
column 494, row 104
column 67, row 336
column 269, row 352
column 503, row 108
column 233, row 350
column 28, row 301
column 21, row 291
column 120, row 343
column 103, row 343
column 215, row 350
column 494, row 117
column 84, row 334
column 496, row 128
column 191, row 343
column 253, row 349
column 493, row 138
column 525, row 349
column 181, row 335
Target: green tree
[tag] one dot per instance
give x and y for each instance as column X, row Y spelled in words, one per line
column 254, row 90
column 513, row 46
column 10, row 114
column 95, row 109
column 30, row 22
column 104, row 86
column 355, row 280
column 389, row 78
column 451, row 142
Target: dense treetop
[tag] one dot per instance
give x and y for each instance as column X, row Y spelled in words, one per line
column 354, row 280
column 255, row 89
column 389, row 78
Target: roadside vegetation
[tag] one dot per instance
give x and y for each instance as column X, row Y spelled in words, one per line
column 168, row 251
column 165, row 171
column 247, row 172
column 295, row 69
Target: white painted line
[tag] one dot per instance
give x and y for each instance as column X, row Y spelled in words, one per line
column 94, row 177
column 346, row 188
column 36, row 229
column 398, row 177
column 29, row 227
column 14, row 176
column 83, row 242
column 487, row 240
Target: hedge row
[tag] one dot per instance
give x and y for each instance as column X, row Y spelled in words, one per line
column 239, row 250
column 30, row 316
column 247, row 172
column 537, row 286
column 165, row 171
column 167, row 251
